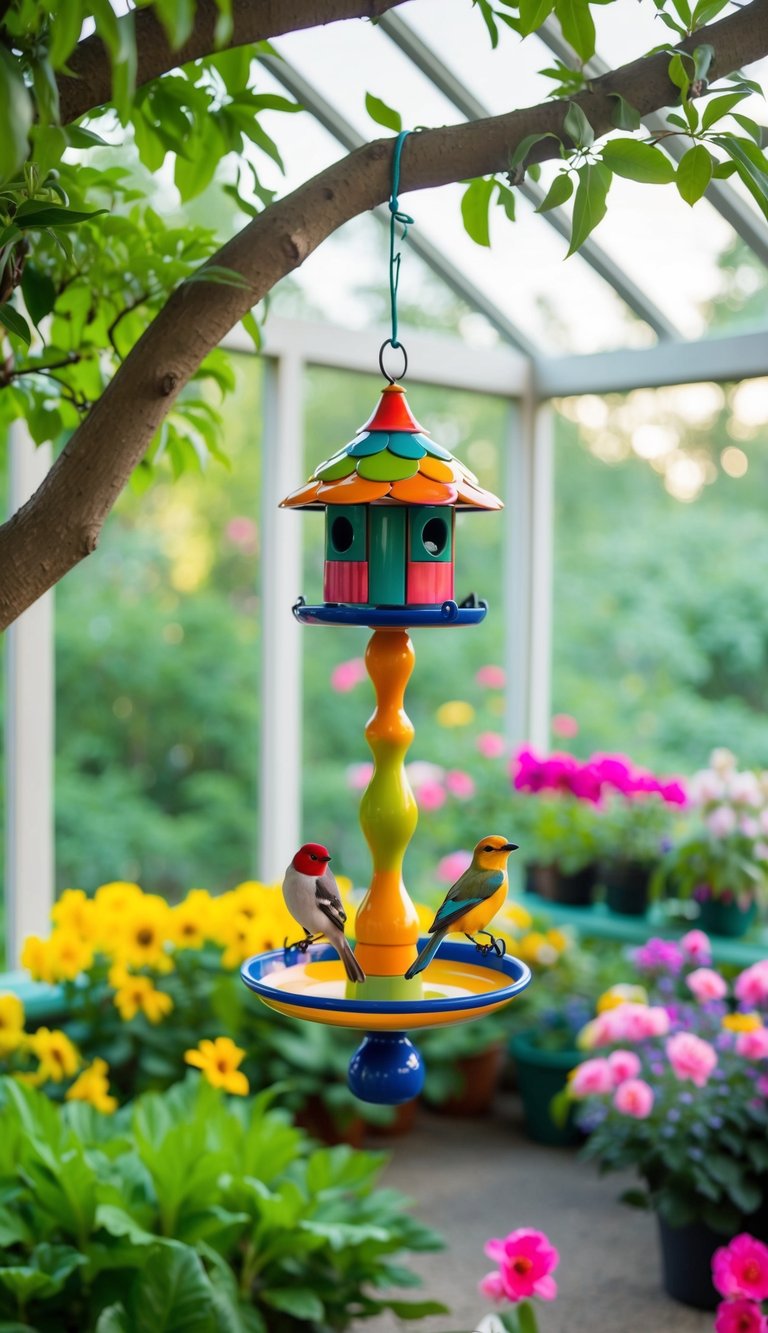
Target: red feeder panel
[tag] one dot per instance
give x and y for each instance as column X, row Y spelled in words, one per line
column 428, row 583
column 345, row 581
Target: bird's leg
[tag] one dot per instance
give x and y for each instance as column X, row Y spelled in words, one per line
column 496, row 946
column 300, row 945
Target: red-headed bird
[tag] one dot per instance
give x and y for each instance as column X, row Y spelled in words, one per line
column 472, row 901
column 312, row 897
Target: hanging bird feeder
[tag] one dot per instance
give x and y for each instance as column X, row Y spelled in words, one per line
column 390, row 496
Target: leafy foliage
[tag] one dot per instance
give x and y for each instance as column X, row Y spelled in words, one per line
column 186, row 1213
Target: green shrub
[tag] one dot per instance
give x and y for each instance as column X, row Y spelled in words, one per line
column 187, row 1213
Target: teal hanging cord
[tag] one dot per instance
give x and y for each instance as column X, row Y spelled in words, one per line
column 405, row 220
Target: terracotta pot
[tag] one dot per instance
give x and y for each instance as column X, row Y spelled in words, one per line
column 480, row 1078
column 316, row 1119
column 405, row 1119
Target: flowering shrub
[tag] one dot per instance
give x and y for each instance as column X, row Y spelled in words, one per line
column 740, row 1274
column 526, row 1260
column 677, row 1085
column 725, row 856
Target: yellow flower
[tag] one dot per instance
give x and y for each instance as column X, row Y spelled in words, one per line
column 75, row 913
column 11, row 1023
column 517, row 915
column 143, row 934
column 742, row 1022
column 535, row 948
column 36, row 958
column 58, row 1057
column 68, row 954
column 621, row 993
column 249, row 899
column 92, row 1086
column 219, row 1061
column 139, row 993
column 112, row 902
column 558, row 939
column 191, row 922
column 455, row 713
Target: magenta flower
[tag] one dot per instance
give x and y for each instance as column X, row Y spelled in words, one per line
column 751, row 986
column 659, row 955
column 673, row 793
column 451, row 867
column 490, row 744
column 492, row 677
column 624, row 1065
column 347, row 675
column 634, row 1098
column 753, row 1045
column 565, row 725
column 696, row 947
column 691, row 1058
column 741, row 1268
column 592, row 1078
column 526, row 1259
column 431, row 795
column 460, row 784
column 706, row 984
column 740, row 1317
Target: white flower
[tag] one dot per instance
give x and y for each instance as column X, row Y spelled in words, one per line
column 744, row 788
column 706, row 786
column 721, row 822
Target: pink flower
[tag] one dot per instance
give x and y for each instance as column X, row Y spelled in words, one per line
column 460, row 784
column 490, row 744
column 492, row 677
column 453, row 866
column 635, row 1098
column 492, row 1286
column 705, row 787
column 431, row 795
column 706, row 984
column 565, row 725
column 628, row 1022
column 673, row 793
column 744, row 788
column 751, row 986
column 347, row 675
column 695, row 945
column 739, row 1317
column 691, row 1058
column 741, row 1268
column 242, row 531
column 526, row 1258
column 590, row 1079
column 624, row 1065
column 753, row 1045
column 762, row 1085
column 359, row 775
column 749, row 826
column 721, row 822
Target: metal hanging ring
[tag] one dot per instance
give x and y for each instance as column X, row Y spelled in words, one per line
column 393, row 379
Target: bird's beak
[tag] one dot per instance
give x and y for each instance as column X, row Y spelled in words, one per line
column 326, row 858
column 509, row 847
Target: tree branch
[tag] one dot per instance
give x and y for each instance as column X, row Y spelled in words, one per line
column 253, row 21
column 64, row 517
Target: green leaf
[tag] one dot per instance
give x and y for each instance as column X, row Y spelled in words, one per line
column 722, row 170
column 578, row 26
column 706, row 10
column 750, row 165
column 589, row 205
column 252, row 328
column 625, row 116
column 533, row 13
column 171, row 1294
column 489, row 19
column 475, row 204
column 177, row 18
column 383, row 114
column 720, row 106
column 558, row 193
column 678, row 74
column 755, row 131
column 15, row 323
column 526, row 1318
column 416, row 1309
column 119, row 37
column 297, row 1301
column 39, row 292
column 638, row 161
column 192, row 174
column 506, row 200
column 34, row 214
column 113, row 1320
column 16, row 115
column 702, row 59
column 64, row 31
column 694, row 173
column 219, row 274
column 525, row 145
column 578, row 127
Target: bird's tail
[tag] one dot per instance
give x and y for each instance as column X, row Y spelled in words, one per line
column 351, row 965
column 427, row 954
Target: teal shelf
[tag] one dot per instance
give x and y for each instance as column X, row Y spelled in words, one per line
column 40, row 1000
column 598, row 922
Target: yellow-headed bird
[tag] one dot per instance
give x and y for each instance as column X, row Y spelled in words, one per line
column 472, row 901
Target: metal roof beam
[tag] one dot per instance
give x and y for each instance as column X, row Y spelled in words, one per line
column 434, row 69
column 721, row 195
column 338, row 126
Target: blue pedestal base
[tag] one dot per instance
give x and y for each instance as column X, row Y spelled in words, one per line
column 386, row 1069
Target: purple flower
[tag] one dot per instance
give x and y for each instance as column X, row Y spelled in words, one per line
column 659, row 955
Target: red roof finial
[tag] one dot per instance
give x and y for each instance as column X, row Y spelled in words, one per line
column 393, row 412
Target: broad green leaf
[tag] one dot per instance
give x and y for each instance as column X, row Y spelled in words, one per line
column 678, row 74
column 218, row 273
column 113, row 1319
column 119, row 37
column 383, row 114
column 638, row 161
column 253, row 329
column 49, row 142
column 15, row 323
column 722, row 170
column 706, row 10
column 751, row 172
column 192, row 174
column 702, row 59
column 171, row 1294
column 694, row 173
column 578, row 127
column 533, row 13
column 558, row 193
column 755, row 131
column 719, row 107
column 16, row 116
column 475, row 203
column 35, row 214
column 64, row 31
column 578, row 26
column 589, row 205
column 625, row 116
column 489, row 19
column 525, row 145
column 39, row 292
column 683, row 10
column 506, row 200
column 177, row 18
column 297, row 1301
column 416, row 1309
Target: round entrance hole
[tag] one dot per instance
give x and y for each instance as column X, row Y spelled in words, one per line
column 435, row 535
column 342, row 534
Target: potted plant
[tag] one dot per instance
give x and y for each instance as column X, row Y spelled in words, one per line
column 556, row 822
column 676, row 1091
column 722, row 863
column 463, row 1065
column 637, row 821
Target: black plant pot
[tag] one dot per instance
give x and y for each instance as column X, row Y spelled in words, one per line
column 686, row 1263
column 573, row 890
column 717, row 917
column 626, row 887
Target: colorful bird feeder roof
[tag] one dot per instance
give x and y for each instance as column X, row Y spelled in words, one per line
column 392, row 459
